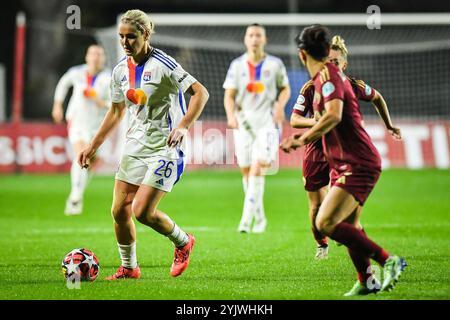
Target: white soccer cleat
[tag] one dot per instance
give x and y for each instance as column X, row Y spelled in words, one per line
column 73, row 208
column 244, row 228
column 260, row 226
column 322, row 253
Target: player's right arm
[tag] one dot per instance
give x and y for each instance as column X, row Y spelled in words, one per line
column 231, row 85
column 61, row 90
column 230, row 105
column 112, row 118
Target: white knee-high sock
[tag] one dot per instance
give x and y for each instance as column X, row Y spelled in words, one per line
column 259, row 185
column 251, row 202
column 128, row 255
column 245, row 184
column 79, row 178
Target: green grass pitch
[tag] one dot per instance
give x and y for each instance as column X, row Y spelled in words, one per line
column 408, row 213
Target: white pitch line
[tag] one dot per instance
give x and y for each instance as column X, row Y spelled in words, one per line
column 108, row 230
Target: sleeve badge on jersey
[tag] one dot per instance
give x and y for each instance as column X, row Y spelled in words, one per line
column 327, row 89
column 299, row 103
column 301, row 99
column 368, row 90
column 299, row 107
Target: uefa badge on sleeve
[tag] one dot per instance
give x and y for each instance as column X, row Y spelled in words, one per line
column 327, row 89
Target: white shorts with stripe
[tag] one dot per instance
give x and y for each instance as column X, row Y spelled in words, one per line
column 156, row 171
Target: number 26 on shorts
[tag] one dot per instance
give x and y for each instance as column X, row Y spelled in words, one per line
column 165, row 168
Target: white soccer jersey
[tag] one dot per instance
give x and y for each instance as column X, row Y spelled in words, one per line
column 257, row 88
column 164, row 82
column 82, row 112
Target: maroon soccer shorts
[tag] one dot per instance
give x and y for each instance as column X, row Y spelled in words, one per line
column 316, row 175
column 359, row 182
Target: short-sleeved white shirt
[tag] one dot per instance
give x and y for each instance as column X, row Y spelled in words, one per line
column 257, row 88
column 81, row 111
column 164, row 81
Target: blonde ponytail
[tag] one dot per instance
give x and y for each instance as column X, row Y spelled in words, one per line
column 338, row 43
column 140, row 20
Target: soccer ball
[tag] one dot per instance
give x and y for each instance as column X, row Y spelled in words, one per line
column 80, row 264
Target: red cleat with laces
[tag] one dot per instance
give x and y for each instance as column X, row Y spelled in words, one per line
column 126, row 273
column 181, row 257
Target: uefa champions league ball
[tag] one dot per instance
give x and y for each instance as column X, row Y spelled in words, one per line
column 80, row 264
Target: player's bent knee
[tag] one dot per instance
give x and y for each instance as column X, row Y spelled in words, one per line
column 139, row 210
column 120, row 214
column 147, row 218
column 325, row 226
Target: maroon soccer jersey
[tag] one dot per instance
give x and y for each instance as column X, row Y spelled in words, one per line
column 347, row 144
column 304, row 107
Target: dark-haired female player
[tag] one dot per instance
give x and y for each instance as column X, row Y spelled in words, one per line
column 315, row 166
column 354, row 161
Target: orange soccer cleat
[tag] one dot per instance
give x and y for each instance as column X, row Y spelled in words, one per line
column 126, row 273
column 181, row 257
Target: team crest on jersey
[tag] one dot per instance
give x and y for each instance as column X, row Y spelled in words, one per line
column 327, row 89
column 147, row 76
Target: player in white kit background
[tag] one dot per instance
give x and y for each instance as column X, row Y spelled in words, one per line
column 256, row 92
column 149, row 85
column 87, row 107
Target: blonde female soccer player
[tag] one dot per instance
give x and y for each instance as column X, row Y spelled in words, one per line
column 256, row 92
column 149, row 85
column 87, row 108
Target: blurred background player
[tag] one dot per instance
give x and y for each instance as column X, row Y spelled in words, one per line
column 256, row 92
column 354, row 161
column 315, row 167
column 87, row 107
column 149, row 85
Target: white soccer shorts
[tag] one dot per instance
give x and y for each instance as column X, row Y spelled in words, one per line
column 157, row 171
column 261, row 145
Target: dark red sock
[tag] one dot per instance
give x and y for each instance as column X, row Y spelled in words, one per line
column 361, row 263
column 321, row 239
column 356, row 240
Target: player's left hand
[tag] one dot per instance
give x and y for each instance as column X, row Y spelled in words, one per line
column 176, row 137
column 396, row 133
